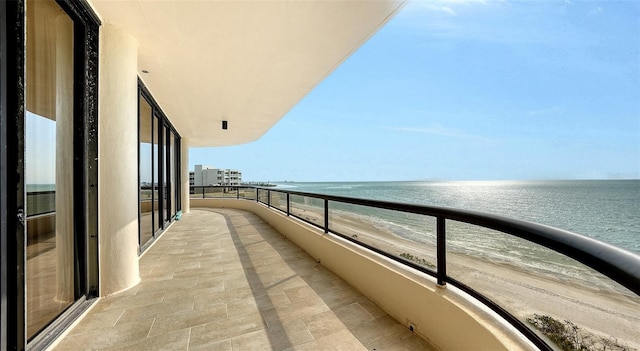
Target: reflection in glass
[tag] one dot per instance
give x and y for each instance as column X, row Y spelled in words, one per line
column 155, row 184
column 174, row 181
column 146, row 180
column 49, row 164
column 165, row 177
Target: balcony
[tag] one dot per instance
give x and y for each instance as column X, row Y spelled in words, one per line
column 252, row 267
column 223, row 279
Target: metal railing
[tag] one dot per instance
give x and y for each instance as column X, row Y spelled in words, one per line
column 617, row 264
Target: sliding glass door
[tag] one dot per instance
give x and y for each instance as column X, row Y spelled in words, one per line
column 49, row 138
column 48, row 121
column 159, row 169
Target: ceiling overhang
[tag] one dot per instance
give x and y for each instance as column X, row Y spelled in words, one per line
column 245, row 62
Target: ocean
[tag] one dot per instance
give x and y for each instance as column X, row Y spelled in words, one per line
column 607, row 210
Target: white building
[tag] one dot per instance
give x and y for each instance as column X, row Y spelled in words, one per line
column 208, row 175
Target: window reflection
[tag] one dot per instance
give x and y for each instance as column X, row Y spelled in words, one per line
column 156, row 184
column 146, row 179
column 158, row 169
column 49, row 164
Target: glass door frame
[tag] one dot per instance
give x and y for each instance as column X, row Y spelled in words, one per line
column 12, row 306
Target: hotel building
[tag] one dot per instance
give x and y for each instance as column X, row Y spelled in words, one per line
column 208, row 175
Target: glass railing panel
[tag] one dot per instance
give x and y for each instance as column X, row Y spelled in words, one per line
column 247, row 193
column 195, row 192
column 230, row 192
column 307, row 208
column 534, row 283
column 401, row 234
column 279, row 200
column 263, row 196
column 211, row 192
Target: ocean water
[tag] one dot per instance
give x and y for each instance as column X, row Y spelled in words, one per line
column 607, row 210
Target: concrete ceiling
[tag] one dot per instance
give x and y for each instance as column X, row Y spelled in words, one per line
column 246, row 62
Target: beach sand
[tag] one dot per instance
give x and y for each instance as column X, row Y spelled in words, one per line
column 595, row 304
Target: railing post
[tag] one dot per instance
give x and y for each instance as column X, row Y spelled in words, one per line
column 441, row 251
column 203, row 192
column 288, row 206
column 237, row 193
column 269, row 197
column 258, row 195
column 326, row 215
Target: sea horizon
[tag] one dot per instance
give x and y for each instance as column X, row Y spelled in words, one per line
column 604, row 209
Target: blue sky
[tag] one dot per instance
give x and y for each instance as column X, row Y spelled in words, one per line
column 467, row 90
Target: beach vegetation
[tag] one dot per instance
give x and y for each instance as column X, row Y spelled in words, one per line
column 418, row 260
column 570, row 337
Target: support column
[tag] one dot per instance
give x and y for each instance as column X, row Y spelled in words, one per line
column 184, row 171
column 118, row 161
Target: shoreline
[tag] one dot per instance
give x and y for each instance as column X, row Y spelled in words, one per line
column 596, row 304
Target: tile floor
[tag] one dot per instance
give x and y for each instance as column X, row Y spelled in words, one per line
column 222, row 279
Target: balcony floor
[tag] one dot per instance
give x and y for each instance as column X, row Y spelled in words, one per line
column 222, row 279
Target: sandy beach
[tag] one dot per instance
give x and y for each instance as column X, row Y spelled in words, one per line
column 595, row 304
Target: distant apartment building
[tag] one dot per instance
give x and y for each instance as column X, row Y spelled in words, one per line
column 207, row 175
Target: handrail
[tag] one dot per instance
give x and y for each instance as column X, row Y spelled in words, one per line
column 617, row 264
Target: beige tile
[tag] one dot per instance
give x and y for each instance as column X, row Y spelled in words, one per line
column 224, row 296
column 300, row 293
column 127, row 301
column 257, row 341
column 226, row 329
column 153, row 311
column 98, row 321
column 339, row 341
column 271, row 299
column 353, row 315
column 323, row 324
column 188, row 319
column 222, row 279
column 241, row 307
column 106, row 337
column 380, row 331
column 187, row 294
column 147, row 287
column 224, row 345
column 284, row 336
column 341, row 297
column 176, row 340
column 282, row 314
column 372, row 308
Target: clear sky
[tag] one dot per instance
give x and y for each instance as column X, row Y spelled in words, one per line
column 467, row 90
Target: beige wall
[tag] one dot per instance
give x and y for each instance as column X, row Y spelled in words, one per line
column 446, row 317
column 118, row 161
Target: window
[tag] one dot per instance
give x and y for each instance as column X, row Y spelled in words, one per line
column 55, row 80
column 49, row 137
column 146, row 171
column 159, row 169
